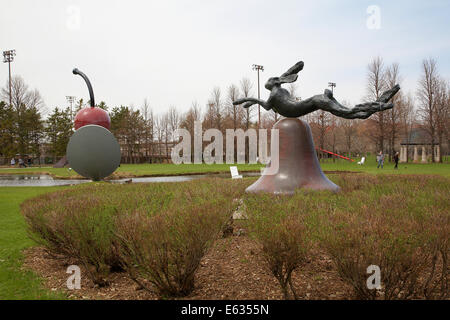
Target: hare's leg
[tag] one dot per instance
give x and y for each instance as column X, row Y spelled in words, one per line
column 251, row 101
column 327, row 102
column 388, row 95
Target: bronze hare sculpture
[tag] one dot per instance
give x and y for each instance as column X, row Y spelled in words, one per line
column 281, row 101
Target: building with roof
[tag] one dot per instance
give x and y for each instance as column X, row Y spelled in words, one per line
column 417, row 144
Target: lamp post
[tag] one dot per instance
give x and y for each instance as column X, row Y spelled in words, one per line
column 332, row 85
column 8, row 57
column 258, row 68
column 71, row 99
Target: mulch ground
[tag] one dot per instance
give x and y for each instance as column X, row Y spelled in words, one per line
column 234, row 268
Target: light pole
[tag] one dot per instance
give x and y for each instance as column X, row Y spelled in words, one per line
column 258, row 68
column 71, row 99
column 332, row 85
column 8, row 57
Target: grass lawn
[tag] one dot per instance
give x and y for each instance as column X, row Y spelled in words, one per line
column 14, row 282
column 402, row 217
column 370, row 166
column 136, row 170
column 18, row 284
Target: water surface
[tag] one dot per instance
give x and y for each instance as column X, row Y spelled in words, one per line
column 44, row 180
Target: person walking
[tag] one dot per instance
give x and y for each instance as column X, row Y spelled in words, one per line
column 13, row 162
column 396, row 158
column 22, row 163
column 380, row 159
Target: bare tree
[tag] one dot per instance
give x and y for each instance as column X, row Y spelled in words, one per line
column 216, row 100
column 135, row 134
column 320, row 124
column 35, row 101
column 173, row 120
column 209, row 118
column 407, row 117
column 246, row 87
column 188, row 119
column 147, row 114
column 187, row 122
column 376, row 85
column 19, row 93
column 233, row 110
column 442, row 112
column 322, row 121
column 349, row 129
column 426, row 94
column 267, row 122
column 393, row 115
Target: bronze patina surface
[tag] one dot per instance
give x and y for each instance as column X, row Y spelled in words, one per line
column 297, row 162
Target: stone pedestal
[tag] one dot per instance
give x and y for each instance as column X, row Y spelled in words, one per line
column 298, row 166
column 424, row 155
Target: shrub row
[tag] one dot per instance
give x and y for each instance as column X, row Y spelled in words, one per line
column 399, row 223
column 156, row 232
column 160, row 232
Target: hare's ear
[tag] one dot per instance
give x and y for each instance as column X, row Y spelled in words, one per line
column 296, row 68
column 289, row 79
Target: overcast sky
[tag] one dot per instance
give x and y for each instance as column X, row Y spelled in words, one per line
column 175, row 52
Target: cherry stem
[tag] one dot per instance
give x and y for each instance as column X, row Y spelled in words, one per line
column 88, row 83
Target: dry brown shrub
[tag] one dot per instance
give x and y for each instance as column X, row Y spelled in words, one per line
column 402, row 226
column 166, row 249
column 84, row 222
column 284, row 234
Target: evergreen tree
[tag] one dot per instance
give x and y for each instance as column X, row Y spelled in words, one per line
column 58, row 130
column 35, row 132
column 7, row 146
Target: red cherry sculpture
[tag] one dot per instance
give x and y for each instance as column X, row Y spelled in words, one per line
column 92, row 114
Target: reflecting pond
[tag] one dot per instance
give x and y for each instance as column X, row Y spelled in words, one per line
column 43, row 180
column 35, row 180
